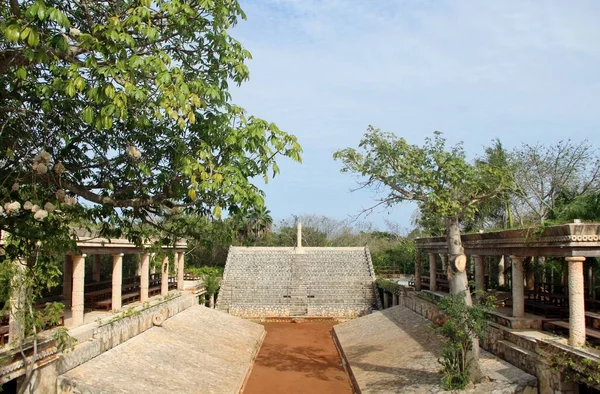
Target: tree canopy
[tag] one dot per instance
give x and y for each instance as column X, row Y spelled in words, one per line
column 121, row 111
column 441, row 181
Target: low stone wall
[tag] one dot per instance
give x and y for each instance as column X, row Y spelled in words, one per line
column 332, row 311
column 256, row 311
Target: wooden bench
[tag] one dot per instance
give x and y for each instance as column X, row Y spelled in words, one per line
column 547, row 310
column 592, row 319
column 564, row 326
column 125, row 299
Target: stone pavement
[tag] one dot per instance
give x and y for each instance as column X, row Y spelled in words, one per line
column 396, row 351
column 199, row 350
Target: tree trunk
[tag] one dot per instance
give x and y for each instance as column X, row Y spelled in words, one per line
column 459, row 284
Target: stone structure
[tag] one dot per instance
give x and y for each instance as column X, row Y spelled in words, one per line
column 329, row 282
column 574, row 242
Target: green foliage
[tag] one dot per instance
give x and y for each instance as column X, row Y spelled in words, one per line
column 211, row 283
column 205, row 271
column 388, row 285
column 463, row 323
column 64, row 342
column 441, row 181
column 117, row 116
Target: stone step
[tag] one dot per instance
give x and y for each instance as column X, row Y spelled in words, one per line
column 516, row 355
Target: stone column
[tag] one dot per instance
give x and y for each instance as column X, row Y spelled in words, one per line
column 153, row 269
column 395, row 300
column 417, row 271
column 444, row 258
column 591, row 280
column 117, row 281
column 78, row 289
column 144, row 276
column 432, row 272
column 164, row 277
column 517, row 286
column 180, row 264
column 576, row 301
column 479, row 273
column 96, row 268
column 16, row 315
column 67, row 278
column 299, row 235
column 501, row 277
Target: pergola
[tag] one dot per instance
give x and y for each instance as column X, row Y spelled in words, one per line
column 574, row 242
column 90, row 244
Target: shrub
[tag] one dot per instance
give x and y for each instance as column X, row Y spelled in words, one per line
column 462, row 325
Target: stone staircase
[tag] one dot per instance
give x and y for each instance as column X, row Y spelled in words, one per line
column 283, row 282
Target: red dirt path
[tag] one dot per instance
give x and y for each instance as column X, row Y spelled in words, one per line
column 298, row 358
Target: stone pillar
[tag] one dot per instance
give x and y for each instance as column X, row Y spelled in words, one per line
column 180, row 269
column 444, row 258
column 576, row 301
column 591, row 280
column 78, row 289
column 96, row 268
column 164, row 277
column 501, row 267
column 395, row 299
column 16, row 315
column 417, row 271
column 153, row 269
column 299, row 235
column 432, row 272
column 479, row 273
column 517, row 286
column 117, row 281
column 67, row 278
column 144, row 276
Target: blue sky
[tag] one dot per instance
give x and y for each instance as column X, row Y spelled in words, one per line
column 521, row 71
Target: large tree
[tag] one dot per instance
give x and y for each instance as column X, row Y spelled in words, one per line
column 125, row 105
column 116, row 114
column 548, row 177
column 440, row 180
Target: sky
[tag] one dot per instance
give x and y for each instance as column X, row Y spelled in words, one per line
column 520, row 71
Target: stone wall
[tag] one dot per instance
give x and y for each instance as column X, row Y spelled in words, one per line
column 96, row 338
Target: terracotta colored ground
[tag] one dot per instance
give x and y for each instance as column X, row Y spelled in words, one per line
column 298, row 358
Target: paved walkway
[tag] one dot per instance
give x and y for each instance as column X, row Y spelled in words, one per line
column 199, row 350
column 396, row 351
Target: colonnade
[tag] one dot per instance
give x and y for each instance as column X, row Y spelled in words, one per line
column 74, row 279
column 575, row 280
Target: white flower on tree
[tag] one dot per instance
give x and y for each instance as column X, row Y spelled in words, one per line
column 40, row 215
column 59, row 168
column 35, row 208
column 28, row 205
column 12, row 207
column 60, row 195
column 134, row 152
column 49, row 207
